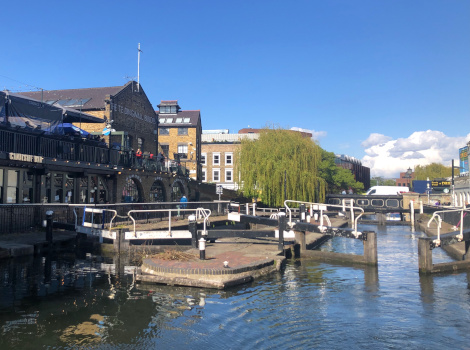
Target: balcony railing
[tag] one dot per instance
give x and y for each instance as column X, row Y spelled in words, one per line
column 55, row 146
column 75, row 148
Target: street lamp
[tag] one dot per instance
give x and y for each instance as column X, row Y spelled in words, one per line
column 427, row 188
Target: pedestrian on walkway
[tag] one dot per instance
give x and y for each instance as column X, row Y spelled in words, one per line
column 183, row 204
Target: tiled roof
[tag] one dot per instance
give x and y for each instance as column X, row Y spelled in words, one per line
column 169, row 103
column 95, row 96
column 178, row 119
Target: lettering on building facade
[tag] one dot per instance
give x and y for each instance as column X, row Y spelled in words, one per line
column 26, row 158
column 130, row 112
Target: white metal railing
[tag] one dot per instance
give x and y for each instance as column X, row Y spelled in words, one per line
column 437, row 218
column 321, row 207
column 201, row 213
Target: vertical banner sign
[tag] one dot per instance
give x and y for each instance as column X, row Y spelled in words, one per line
column 463, row 156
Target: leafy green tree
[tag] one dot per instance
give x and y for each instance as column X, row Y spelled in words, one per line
column 261, row 165
column 337, row 178
column 432, row 171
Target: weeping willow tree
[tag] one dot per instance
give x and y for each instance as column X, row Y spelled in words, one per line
column 432, row 171
column 261, row 166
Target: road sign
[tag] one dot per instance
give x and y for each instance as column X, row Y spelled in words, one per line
column 219, row 189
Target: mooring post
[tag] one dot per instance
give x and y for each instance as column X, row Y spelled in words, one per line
column 121, row 244
column 370, row 247
column 302, row 213
column 381, row 218
column 193, row 229
column 282, row 227
column 202, row 249
column 424, row 255
column 49, row 214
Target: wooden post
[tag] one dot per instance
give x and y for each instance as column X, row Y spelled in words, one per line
column 424, row 255
column 381, row 218
column 300, row 240
column 121, row 245
column 370, row 248
column 466, row 256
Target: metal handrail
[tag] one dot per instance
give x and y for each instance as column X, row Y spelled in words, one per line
column 437, row 217
column 319, row 206
column 200, row 212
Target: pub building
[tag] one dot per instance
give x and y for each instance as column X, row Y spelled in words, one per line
column 88, row 139
column 41, row 161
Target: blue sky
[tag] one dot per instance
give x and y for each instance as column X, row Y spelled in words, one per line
column 369, row 78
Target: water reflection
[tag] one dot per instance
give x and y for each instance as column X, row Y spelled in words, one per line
column 90, row 302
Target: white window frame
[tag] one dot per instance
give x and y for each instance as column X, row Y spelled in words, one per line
column 213, row 175
column 231, row 158
column 204, row 175
column 204, row 156
column 229, row 171
column 213, row 158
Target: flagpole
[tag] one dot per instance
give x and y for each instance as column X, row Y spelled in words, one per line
column 138, row 67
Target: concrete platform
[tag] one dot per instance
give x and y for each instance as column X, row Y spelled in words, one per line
column 247, row 259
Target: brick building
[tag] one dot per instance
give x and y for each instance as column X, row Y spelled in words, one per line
column 180, row 136
column 219, row 150
column 127, row 111
column 360, row 172
column 406, row 178
column 132, row 115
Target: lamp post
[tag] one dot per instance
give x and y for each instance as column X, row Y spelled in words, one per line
column 427, row 188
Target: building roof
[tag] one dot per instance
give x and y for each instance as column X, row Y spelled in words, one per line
column 87, row 99
column 29, row 107
column 182, row 118
column 169, row 103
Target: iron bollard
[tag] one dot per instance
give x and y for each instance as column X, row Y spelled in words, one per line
column 302, row 213
column 193, row 229
column 202, row 249
column 49, row 226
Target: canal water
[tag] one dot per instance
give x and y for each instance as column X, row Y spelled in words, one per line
column 78, row 302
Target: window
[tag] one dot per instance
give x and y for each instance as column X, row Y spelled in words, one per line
column 183, row 150
column 165, row 149
column 216, row 158
column 229, row 158
column 203, row 177
column 228, row 175
column 168, row 109
column 215, row 175
column 164, row 131
column 203, row 158
column 182, row 131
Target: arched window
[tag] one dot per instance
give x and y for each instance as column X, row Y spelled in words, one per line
column 157, row 192
column 130, row 192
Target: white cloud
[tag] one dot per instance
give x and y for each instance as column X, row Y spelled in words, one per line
column 388, row 157
column 316, row 135
column 375, row 139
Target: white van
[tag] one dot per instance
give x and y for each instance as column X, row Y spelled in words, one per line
column 387, row 190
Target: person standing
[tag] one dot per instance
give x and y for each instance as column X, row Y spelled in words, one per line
column 138, row 155
column 183, row 204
